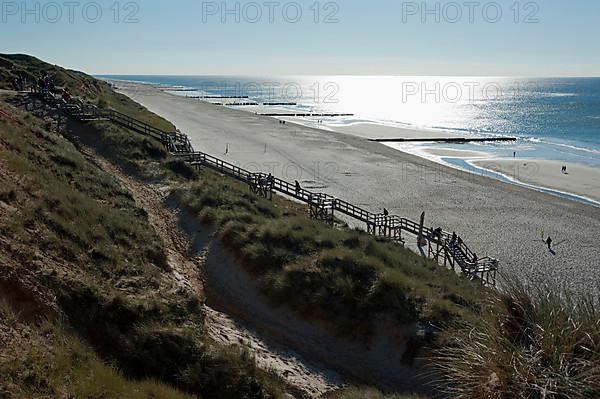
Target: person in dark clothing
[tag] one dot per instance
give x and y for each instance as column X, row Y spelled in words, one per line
column 270, row 180
column 51, row 86
column 386, row 212
column 41, row 85
column 454, row 238
column 549, row 243
column 298, row 188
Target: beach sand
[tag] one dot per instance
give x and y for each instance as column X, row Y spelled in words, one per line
column 580, row 180
column 494, row 218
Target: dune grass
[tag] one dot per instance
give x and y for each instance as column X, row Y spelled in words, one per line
column 345, row 276
column 368, row 393
column 79, row 84
column 83, row 240
column 532, row 342
column 523, row 343
column 80, row 214
column 45, row 360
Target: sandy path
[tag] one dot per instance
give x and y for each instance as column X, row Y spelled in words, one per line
column 494, row 218
column 311, row 379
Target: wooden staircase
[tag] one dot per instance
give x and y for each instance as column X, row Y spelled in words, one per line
column 449, row 251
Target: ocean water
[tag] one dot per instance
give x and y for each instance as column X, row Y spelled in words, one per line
column 557, row 119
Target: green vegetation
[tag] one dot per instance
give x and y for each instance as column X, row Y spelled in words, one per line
column 367, row 393
column 79, row 84
column 43, row 360
column 77, row 236
column 340, row 275
column 532, row 342
column 107, row 270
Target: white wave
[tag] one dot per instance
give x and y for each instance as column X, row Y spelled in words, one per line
column 557, row 95
column 588, row 150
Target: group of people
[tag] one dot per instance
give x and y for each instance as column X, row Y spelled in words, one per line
column 20, row 83
column 564, row 170
column 268, row 181
column 282, row 122
column 46, row 83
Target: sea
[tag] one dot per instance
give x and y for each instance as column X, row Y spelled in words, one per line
column 552, row 118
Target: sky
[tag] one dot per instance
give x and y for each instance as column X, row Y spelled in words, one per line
column 347, row 37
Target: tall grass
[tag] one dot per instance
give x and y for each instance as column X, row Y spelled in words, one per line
column 44, row 359
column 368, row 393
column 533, row 342
column 85, row 242
column 347, row 277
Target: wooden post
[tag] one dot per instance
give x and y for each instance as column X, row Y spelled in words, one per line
column 420, row 237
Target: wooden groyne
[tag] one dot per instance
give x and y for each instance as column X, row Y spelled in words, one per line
column 437, row 244
column 224, row 97
column 456, row 140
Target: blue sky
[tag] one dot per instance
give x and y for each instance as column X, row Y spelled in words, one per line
column 379, row 37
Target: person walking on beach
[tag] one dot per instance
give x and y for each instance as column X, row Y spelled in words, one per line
column 549, row 243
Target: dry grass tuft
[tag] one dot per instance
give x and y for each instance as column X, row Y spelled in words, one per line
column 533, row 342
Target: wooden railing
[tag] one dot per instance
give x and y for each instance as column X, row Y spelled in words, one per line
column 179, row 145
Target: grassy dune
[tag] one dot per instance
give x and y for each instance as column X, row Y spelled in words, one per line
column 106, row 270
column 76, row 242
column 531, row 342
column 44, row 360
column 345, row 276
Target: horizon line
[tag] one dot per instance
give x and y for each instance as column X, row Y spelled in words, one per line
column 354, row 75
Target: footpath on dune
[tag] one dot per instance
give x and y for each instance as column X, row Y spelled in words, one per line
column 311, row 379
column 305, row 355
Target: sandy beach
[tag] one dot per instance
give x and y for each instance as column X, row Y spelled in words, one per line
column 580, row 180
column 496, row 219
